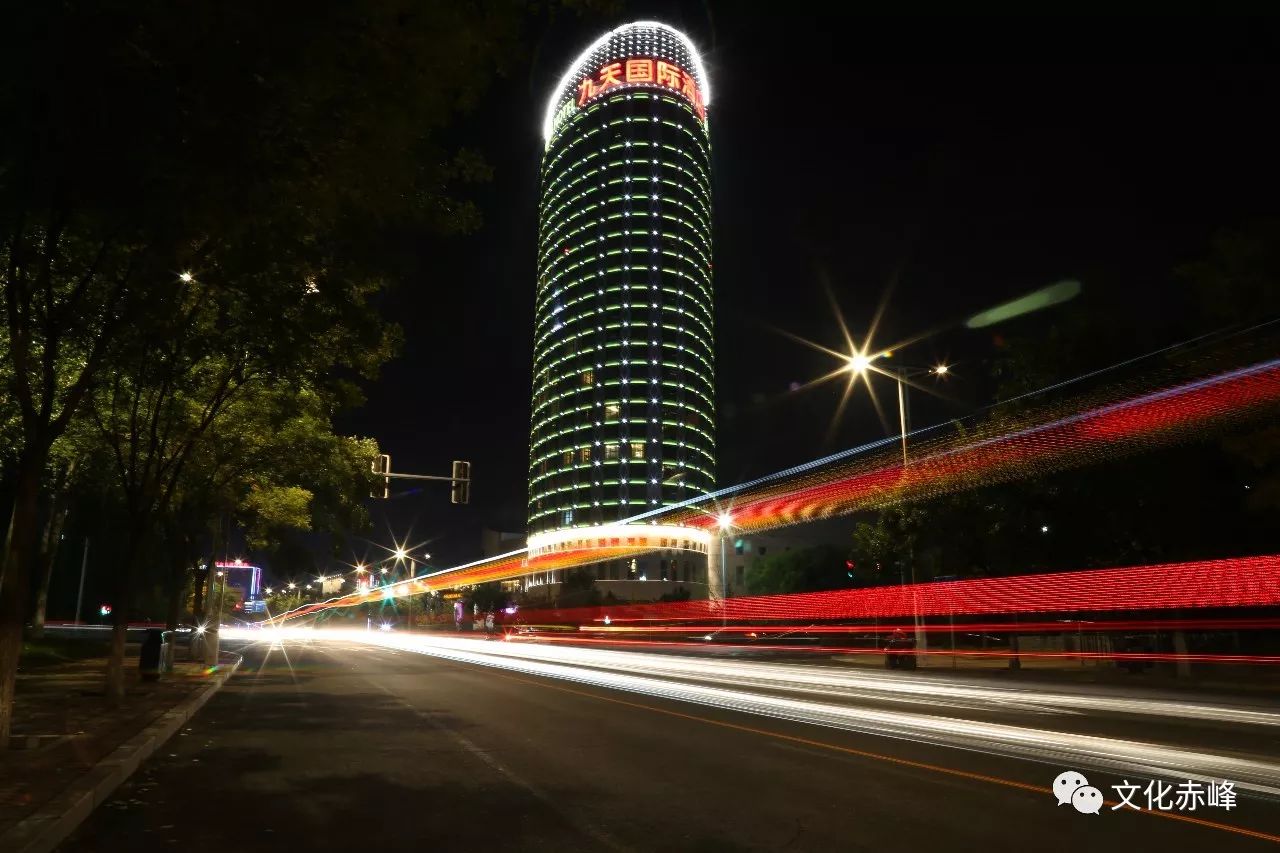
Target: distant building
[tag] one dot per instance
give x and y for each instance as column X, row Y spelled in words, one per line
column 244, row 581
column 496, row 542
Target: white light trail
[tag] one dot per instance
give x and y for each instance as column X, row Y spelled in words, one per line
column 770, row 690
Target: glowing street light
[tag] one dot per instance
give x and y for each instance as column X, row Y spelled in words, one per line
column 292, row 585
column 186, row 277
column 859, row 362
column 384, row 570
column 941, row 370
column 724, row 521
column 360, row 569
column 401, row 554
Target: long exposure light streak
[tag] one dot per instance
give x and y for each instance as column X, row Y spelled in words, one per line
column 1030, row 448
column 926, row 711
column 1242, row 582
column 973, row 654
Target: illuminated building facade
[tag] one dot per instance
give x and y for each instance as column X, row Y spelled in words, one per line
column 623, row 370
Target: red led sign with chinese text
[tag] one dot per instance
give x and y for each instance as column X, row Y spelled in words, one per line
column 642, row 71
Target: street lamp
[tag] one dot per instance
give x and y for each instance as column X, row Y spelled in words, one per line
column 211, row 646
column 860, row 362
column 724, row 521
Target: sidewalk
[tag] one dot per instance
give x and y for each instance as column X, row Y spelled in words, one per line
column 64, row 727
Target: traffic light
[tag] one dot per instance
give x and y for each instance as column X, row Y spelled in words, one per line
column 382, row 465
column 460, row 491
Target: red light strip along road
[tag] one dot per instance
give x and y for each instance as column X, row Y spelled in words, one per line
column 1144, row 422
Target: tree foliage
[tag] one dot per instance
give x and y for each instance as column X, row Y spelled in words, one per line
column 198, row 204
column 810, row 569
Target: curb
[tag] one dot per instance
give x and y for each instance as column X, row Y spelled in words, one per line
column 50, row 825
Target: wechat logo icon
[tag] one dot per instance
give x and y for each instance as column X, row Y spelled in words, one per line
column 1073, row 788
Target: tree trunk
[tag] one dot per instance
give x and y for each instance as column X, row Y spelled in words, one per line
column 123, row 593
column 49, row 548
column 177, row 586
column 197, row 597
column 114, row 689
column 203, row 575
column 15, row 577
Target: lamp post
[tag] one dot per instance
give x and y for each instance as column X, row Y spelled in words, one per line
column 859, row 364
column 724, row 522
column 211, row 646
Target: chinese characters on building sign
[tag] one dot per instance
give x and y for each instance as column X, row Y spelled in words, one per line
column 642, row 71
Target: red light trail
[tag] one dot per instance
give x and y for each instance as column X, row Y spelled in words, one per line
column 940, row 466
column 1242, row 582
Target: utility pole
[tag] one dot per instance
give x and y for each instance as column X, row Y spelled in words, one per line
column 84, row 564
column 211, row 644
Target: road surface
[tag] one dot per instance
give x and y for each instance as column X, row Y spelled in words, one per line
column 335, row 745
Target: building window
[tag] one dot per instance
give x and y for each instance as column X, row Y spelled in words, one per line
column 738, row 547
column 584, row 454
column 741, row 575
column 568, row 457
column 637, row 450
column 760, row 550
column 588, row 377
column 611, row 450
column 611, row 411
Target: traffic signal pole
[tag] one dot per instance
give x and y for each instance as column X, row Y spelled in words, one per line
column 460, row 478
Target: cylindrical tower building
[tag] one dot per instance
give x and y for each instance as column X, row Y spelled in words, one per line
column 623, row 370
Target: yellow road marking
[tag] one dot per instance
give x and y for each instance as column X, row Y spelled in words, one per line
column 877, row 756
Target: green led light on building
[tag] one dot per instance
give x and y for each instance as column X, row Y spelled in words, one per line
column 623, row 415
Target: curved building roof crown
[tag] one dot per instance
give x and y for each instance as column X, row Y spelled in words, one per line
column 594, row 72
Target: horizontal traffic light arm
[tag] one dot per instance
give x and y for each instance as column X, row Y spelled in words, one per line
column 427, row 477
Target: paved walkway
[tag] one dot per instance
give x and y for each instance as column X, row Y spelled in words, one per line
column 65, row 725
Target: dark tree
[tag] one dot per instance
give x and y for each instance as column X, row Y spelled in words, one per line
column 270, row 149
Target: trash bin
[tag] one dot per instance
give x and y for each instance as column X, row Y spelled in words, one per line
column 168, row 647
column 150, row 656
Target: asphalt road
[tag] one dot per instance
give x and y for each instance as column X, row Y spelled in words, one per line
column 337, row 746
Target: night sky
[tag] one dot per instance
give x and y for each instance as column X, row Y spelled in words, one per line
column 967, row 161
